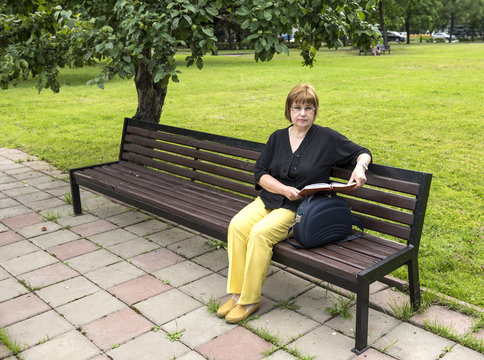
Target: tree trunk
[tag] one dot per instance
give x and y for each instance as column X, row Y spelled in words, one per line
column 382, row 23
column 407, row 27
column 151, row 96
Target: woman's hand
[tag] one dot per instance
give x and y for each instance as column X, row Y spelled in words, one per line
column 273, row 185
column 292, row 193
column 358, row 175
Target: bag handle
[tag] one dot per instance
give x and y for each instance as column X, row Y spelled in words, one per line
column 296, row 245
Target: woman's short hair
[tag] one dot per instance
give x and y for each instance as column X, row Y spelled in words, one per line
column 302, row 94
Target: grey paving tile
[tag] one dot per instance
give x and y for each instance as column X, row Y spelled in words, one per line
column 459, row 324
column 67, row 291
column 387, row 300
column 111, row 275
column 31, row 197
column 93, row 260
column 215, row 260
column 59, row 191
column 8, row 202
column 321, row 342
column 90, row 308
column 108, row 210
column 283, row 285
column 71, row 345
column 281, row 355
column 29, row 262
column 133, row 247
column 213, row 286
column 3, row 228
column 192, row 355
column 16, row 249
column 379, row 324
column 314, row 302
column 408, row 342
column 49, row 203
column 38, row 329
column 128, row 218
column 22, row 189
column 112, row 237
column 460, row 352
column 54, row 238
column 70, row 220
column 167, row 306
column 286, row 324
column 191, row 247
column 5, row 353
column 200, row 326
column 10, row 288
column 147, row 228
column 14, row 210
column 155, row 345
column 53, row 184
column 38, row 229
column 182, row 273
column 3, row 274
column 170, row 236
column 62, row 210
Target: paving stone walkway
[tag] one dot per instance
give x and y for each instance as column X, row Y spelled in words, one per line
column 116, row 283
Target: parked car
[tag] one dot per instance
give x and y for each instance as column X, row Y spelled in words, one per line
column 395, row 36
column 442, row 35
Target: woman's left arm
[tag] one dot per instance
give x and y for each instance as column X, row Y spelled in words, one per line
column 359, row 173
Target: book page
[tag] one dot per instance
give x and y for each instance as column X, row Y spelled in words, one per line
column 336, row 187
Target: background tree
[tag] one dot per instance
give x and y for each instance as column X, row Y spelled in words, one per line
column 139, row 39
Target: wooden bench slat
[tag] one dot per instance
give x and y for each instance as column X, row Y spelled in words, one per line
column 384, row 197
column 191, row 174
column 384, row 227
column 310, row 258
column 171, row 181
column 380, row 181
column 186, row 151
column 379, row 211
column 224, row 208
column 354, row 261
column 210, row 168
column 202, row 197
column 172, row 203
column 184, row 140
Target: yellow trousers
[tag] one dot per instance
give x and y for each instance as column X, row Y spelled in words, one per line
column 251, row 235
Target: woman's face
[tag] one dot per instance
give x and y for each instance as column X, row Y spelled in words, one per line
column 302, row 115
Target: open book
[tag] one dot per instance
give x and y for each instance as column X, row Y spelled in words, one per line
column 336, row 187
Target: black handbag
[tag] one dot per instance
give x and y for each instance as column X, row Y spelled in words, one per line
column 323, row 219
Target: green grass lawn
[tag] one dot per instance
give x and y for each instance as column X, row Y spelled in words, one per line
column 419, row 108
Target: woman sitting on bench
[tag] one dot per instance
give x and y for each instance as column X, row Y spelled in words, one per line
column 293, row 157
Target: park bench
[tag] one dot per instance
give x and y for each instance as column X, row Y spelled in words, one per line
column 383, row 49
column 201, row 180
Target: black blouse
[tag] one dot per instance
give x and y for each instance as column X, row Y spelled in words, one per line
column 311, row 163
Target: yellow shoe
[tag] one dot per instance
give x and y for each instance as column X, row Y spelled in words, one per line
column 225, row 308
column 240, row 313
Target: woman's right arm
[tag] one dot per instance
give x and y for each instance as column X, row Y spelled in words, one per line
column 273, row 185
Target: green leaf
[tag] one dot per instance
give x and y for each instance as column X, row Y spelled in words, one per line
column 267, row 15
column 200, row 63
column 207, row 31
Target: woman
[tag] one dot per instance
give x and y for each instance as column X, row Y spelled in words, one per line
column 293, row 157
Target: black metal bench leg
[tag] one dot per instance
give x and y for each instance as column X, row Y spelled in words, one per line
column 362, row 302
column 414, row 283
column 76, row 196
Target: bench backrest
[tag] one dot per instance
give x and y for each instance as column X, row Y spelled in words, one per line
column 393, row 202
